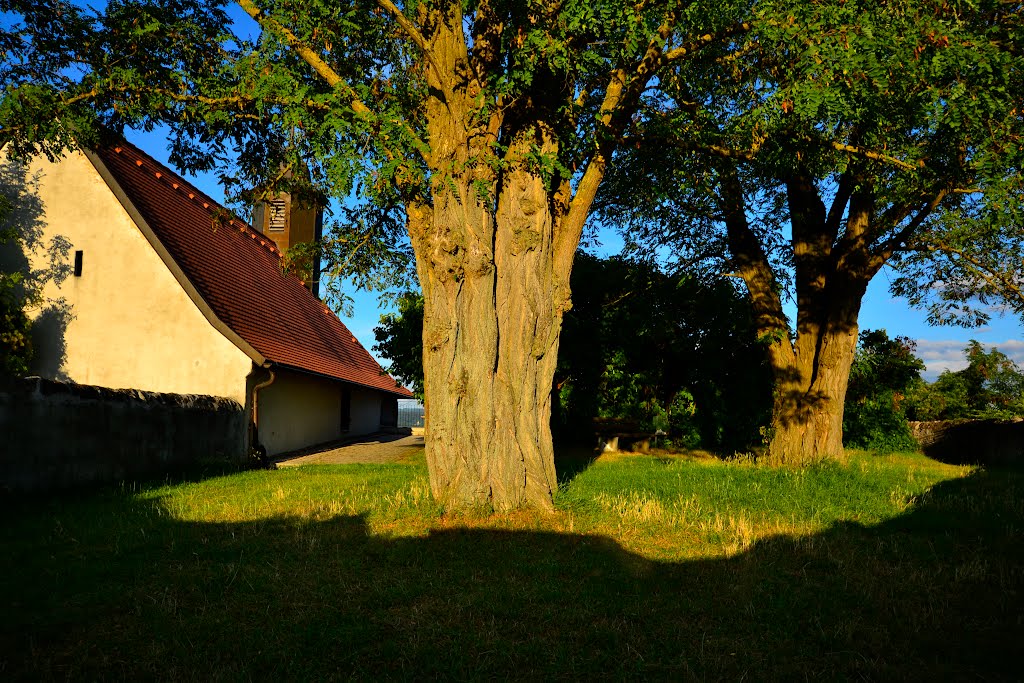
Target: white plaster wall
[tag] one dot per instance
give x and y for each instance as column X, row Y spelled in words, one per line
column 133, row 326
column 365, row 411
column 298, row 410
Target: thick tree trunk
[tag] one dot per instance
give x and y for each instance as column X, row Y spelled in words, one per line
column 493, row 304
column 831, row 272
column 494, row 240
column 807, row 415
column 491, row 259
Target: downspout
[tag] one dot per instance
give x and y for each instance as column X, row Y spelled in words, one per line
column 258, row 448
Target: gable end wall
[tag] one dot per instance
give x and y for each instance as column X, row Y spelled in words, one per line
column 134, row 326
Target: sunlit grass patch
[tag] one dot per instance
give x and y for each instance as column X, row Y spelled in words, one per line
column 380, row 493
column 662, row 506
column 725, row 506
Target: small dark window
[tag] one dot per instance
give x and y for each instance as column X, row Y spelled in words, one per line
column 78, row 263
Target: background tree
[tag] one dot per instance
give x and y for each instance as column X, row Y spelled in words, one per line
column 672, row 352
column 990, row 387
column 677, row 353
column 481, row 128
column 839, row 137
column 884, row 372
column 400, row 340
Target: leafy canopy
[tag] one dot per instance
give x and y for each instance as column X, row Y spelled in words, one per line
column 342, row 87
column 910, row 115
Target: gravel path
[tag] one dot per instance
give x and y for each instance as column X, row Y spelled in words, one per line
column 374, row 448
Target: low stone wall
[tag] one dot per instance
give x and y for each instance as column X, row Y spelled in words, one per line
column 962, row 442
column 58, row 435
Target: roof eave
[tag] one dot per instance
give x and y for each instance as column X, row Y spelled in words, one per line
column 293, row 368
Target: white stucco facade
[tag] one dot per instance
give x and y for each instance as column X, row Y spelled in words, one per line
column 137, row 321
column 133, row 325
column 299, row 410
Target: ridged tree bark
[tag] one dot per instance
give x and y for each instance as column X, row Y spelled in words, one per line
column 493, row 305
column 494, row 247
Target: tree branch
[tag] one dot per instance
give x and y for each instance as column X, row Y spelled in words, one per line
column 839, row 202
column 749, row 154
column 621, row 97
column 875, row 156
column 896, row 213
column 752, row 263
column 305, row 52
column 234, row 100
column 812, row 248
column 688, row 50
column 714, row 150
column 852, row 253
column 885, row 252
column 414, row 34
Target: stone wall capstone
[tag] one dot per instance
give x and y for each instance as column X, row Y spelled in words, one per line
column 56, row 435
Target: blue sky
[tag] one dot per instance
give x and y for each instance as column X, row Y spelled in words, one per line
column 940, row 348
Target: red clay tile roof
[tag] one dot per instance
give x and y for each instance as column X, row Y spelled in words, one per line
column 236, row 271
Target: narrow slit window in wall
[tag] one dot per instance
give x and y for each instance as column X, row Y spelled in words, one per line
column 78, row 263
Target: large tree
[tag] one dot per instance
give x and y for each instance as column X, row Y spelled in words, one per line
column 482, row 128
column 840, row 137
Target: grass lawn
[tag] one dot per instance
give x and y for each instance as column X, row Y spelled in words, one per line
column 881, row 568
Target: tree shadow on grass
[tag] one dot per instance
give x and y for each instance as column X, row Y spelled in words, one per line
column 127, row 591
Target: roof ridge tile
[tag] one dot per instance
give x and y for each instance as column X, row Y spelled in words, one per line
column 192, row 191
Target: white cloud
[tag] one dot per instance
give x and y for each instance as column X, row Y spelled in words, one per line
column 948, row 354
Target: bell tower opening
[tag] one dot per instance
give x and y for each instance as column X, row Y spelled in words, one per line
column 290, row 220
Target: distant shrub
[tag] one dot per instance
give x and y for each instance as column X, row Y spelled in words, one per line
column 883, row 371
column 878, row 423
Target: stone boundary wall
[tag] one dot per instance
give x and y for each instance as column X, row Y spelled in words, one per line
column 56, row 435
column 963, row 442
